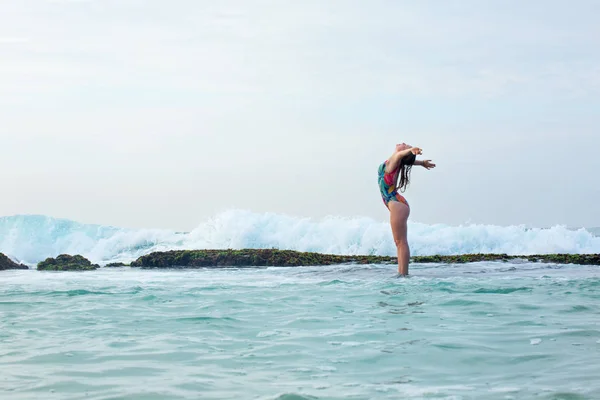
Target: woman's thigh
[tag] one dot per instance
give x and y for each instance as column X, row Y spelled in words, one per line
column 399, row 213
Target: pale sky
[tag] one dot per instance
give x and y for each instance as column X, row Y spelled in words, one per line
column 160, row 114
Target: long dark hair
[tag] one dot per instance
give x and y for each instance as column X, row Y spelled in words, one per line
column 406, row 164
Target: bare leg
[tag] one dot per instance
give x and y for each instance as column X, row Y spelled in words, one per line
column 398, row 219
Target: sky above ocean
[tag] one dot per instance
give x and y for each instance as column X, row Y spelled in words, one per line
column 156, row 114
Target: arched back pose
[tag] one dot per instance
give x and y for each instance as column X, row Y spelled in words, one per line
column 394, row 175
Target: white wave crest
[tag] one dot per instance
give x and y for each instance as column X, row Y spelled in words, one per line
column 31, row 238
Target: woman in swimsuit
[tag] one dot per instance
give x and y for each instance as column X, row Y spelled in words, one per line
column 393, row 177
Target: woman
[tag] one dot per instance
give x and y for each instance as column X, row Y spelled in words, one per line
column 395, row 168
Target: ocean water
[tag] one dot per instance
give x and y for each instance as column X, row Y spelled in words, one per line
column 486, row 330
column 474, row 331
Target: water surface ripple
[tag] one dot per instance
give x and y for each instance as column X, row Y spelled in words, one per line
column 474, row 331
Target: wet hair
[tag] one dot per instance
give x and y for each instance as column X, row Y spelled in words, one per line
column 406, row 164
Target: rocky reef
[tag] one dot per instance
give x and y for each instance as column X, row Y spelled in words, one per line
column 582, row 259
column 253, row 258
column 7, row 263
column 248, row 258
column 116, row 265
column 65, row 262
column 289, row 258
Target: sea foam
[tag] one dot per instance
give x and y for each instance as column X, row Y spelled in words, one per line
column 32, row 238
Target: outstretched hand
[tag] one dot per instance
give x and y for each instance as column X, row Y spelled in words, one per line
column 416, row 151
column 428, row 164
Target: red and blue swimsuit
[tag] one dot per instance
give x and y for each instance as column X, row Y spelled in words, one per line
column 387, row 186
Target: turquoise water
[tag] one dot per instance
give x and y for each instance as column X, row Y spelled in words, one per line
column 476, row 331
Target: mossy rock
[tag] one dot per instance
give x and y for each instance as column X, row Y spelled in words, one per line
column 581, row 259
column 66, row 262
column 116, row 265
column 248, row 258
column 290, row 258
column 7, row 263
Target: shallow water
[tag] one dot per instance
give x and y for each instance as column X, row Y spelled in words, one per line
column 475, row 331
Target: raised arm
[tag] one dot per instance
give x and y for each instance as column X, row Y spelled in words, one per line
column 394, row 161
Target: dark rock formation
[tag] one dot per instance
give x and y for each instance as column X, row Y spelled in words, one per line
column 116, row 264
column 65, row 262
column 272, row 257
column 248, row 258
column 283, row 258
column 582, row 259
column 7, row 263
